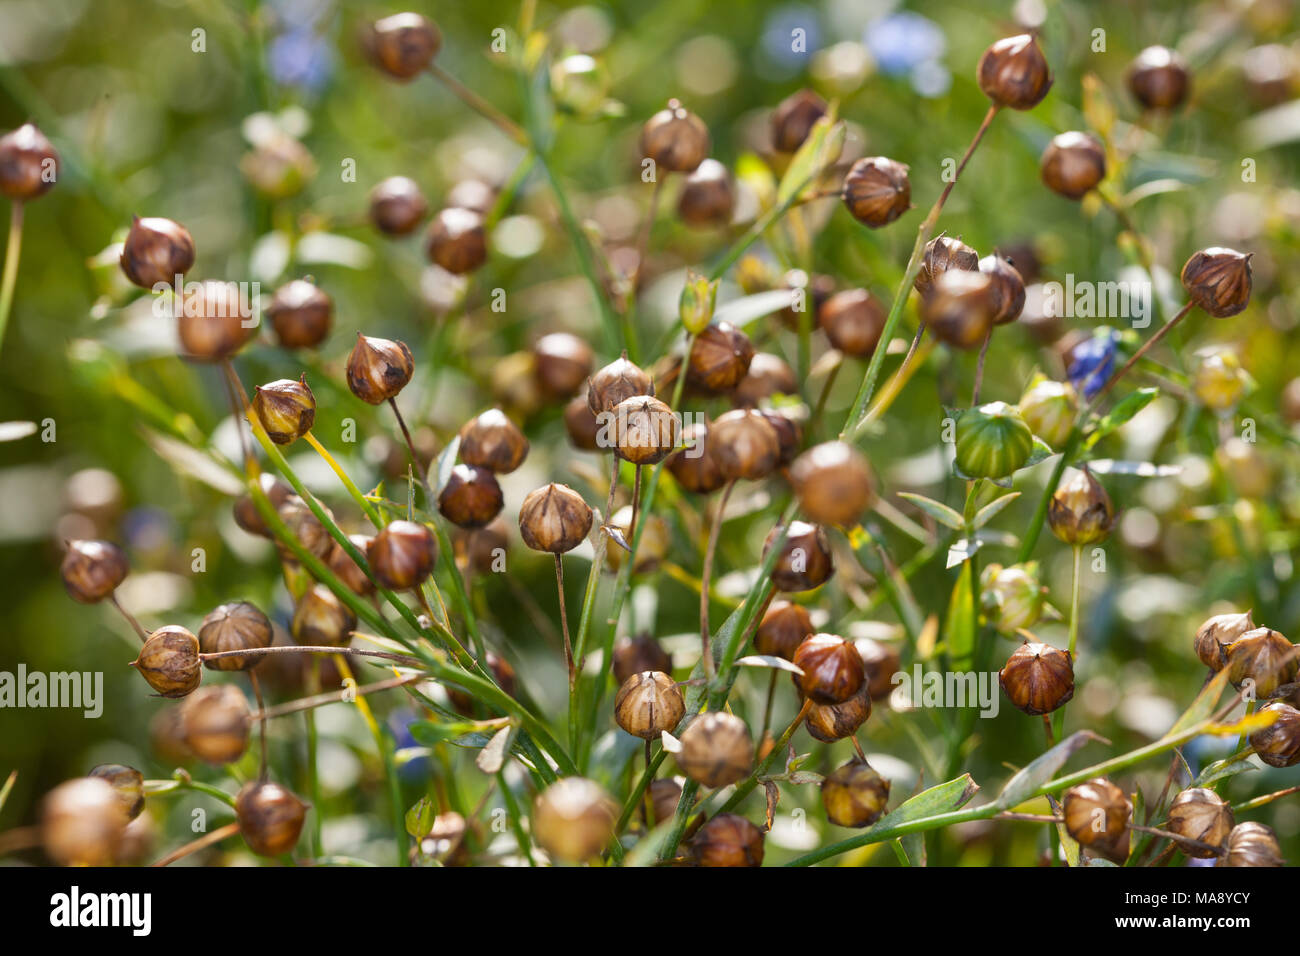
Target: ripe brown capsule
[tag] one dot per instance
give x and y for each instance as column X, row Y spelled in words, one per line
column 92, row 570
column 471, row 497
column 502, row 674
column 1219, row 280
column 270, row 817
column 707, row 198
column 877, row 191
column 649, row 703
column 743, row 444
column 1073, row 164
column 943, row 254
column 783, row 628
column 1158, row 78
column 960, row 308
column 615, row 383
column 581, row 424
column 1038, row 678
column 768, row 375
column 807, row 294
column 214, row 321
column 573, row 819
column 645, row 430
column 852, row 320
column 831, row 722
column 832, row 668
column 245, row 510
column 1201, row 815
column 694, row 466
column 716, row 749
column 82, row 823
column 881, row 662
column 793, row 119
column 379, row 368
column 237, row 626
column 156, row 251
column 301, row 315
column 1278, row 744
column 403, row 45
column 664, row 797
column 633, row 655
column 305, row 527
column 789, row 433
column 397, row 206
column 554, row 518
column 285, row 409
column 1080, row 512
column 347, row 570
column 854, row 795
column 215, row 723
column 833, row 483
column 494, row 442
column 169, row 661
column 1013, row 72
column 805, row 561
column 127, row 784
column 727, row 840
column 1008, row 288
column 676, row 139
column 321, row 618
column 1252, row 844
column 563, row 363
column 29, row 164
column 719, row 358
column 402, row 555
column 1265, row 658
column 1097, row 816
column 1215, row 636
column 457, row 240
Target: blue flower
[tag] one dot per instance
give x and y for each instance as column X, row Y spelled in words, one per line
column 779, row 37
column 301, row 58
column 399, row 724
column 903, row 42
column 1091, row 361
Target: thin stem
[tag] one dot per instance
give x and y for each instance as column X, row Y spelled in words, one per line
column 979, row 370
column 636, row 503
column 216, row 836
column 1058, row 718
column 746, row 787
column 406, row 659
column 705, row 578
column 261, row 724
column 1146, row 347
column 370, row 510
column 564, row 626
column 410, row 446
column 480, row 105
column 12, row 253
column 334, row 697
column 767, row 707
column 814, row 423
column 130, row 618
column 238, row 408
column 643, row 240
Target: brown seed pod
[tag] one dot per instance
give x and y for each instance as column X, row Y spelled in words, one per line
column 471, row 498
column 445, row 841
column 881, row 662
column 1097, row 816
column 563, row 363
column 169, row 661
column 1038, row 678
column 1013, row 72
column 805, row 561
column 854, row 795
column 655, row 541
column 1080, row 511
column 285, row 409
column 1219, row 280
column 457, row 240
column 852, row 320
column 633, row 655
column 708, row 197
column 645, row 430
column 397, row 206
column 156, row 251
column 719, row 358
column 768, row 375
column 245, row 510
column 783, row 628
column 727, row 840
column 347, row 570
column 167, row 737
column 808, row 294
column 664, row 797
column 321, row 618
column 82, row 823
column 270, row 817
column 92, row 570
column 943, row 254
column 402, row 555
column 1265, row 658
column 743, row 444
column 789, row 433
column 794, row 118
column 29, row 164
column 378, row 368
column 215, row 722
column 237, row 626
column 1008, row 288
column 502, row 673
column 833, row 483
column 960, row 308
column 649, row 703
column 694, row 466
column 716, row 750
column 581, row 424
column 1073, row 164
column 831, row 722
column 482, row 550
column 676, row 139
column 877, row 191
column 403, row 45
column 573, row 819
column 494, row 442
column 832, row 668
column 1201, row 815
column 554, row 518
column 1215, row 636
column 214, row 321
column 615, row 383
column 301, row 315
column 305, row 527
column 1252, row 844
column 127, row 784
column 1158, row 78
column 1278, row 744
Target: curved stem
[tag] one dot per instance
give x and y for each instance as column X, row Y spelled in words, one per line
column 130, row 618
column 13, row 250
column 564, row 626
column 705, row 578
column 979, row 369
column 480, row 105
column 406, row 659
column 261, row 724
column 216, row 836
column 334, row 697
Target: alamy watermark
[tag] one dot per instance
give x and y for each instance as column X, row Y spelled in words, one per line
column 1121, row 299
column 947, row 689
column 82, row 690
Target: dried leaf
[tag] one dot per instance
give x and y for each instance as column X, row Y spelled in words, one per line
column 493, row 756
column 766, row 660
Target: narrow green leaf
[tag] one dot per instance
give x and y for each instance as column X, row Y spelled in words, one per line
column 1029, row 778
column 446, row 462
column 1203, row 706
column 991, row 510
column 1222, row 770
column 943, row 798
column 419, row 818
column 820, row 149
column 959, row 627
column 936, row 509
column 1129, row 406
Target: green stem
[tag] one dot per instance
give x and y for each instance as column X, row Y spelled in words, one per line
column 1058, row 718
column 12, row 252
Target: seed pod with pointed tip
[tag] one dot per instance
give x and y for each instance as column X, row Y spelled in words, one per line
column 285, row 409
column 402, row 555
column 784, row 627
column 493, row 441
column 789, row 432
column 833, row 483
column 649, row 703
column 1201, row 815
column 1219, row 280
column 854, row 795
column 832, row 668
column 245, row 510
column 1278, row 744
column 347, row 570
column 831, row 722
column 694, row 466
column 743, row 444
column 214, row 321
column 993, row 441
column 1158, row 78
column 707, row 198
column 554, row 518
column 1252, row 844
column 805, row 561
column 127, row 784
column 563, row 363
column 716, row 749
column 321, row 618
column 1073, row 164
column 169, row 661
column 403, row 45
column 1049, row 409
column 1216, row 635
column 1008, row 288
column 944, row 254
column 1265, row 658
column 156, row 251
column 852, row 320
column 215, row 723
column 645, row 430
column 471, row 498
column 1013, row 72
column 633, row 655
column 301, row 315
column 82, row 823
column 305, row 527
column 397, row 206
column 237, row 626
column 457, row 240
column 615, row 383
column 29, row 164
column 1080, row 511
column 960, row 308
column 92, row 570
column 378, row 368
column 573, row 819
column 1097, row 816
column 881, row 662
column 270, row 817
column 502, row 674
column 719, row 358
column 877, row 191
column 727, row 840
column 1038, row 678
column 793, row 119
column 675, row 138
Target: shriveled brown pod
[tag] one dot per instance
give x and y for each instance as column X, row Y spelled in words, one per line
column 1097, row 816
column 1215, row 636
column 645, row 430
column 675, row 138
column 215, row 722
column 831, row 722
column 270, row 817
column 632, row 655
column 581, row 424
column 554, row 518
column 169, row 661
column 649, row 703
column 854, row 795
column 877, row 191
column 616, row 382
column 347, row 570
column 834, row 483
column 716, row 749
column 694, row 467
column 743, row 445
column 321, row 618
column 1278, row 744
column 1201, row 815
column 942, row 254
column 301, row 314
column 1264, row 658
column 768, row 375
column 1252, row 844
column 493, row 441
column 92, row 570
column 402, row 555
column 238, row 626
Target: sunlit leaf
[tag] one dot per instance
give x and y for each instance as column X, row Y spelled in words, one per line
column 1042, row 769
column 767, row 660
column 993, row 508
column 13, row 431
column 936, row 510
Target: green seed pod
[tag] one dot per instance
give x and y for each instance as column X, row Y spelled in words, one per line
column 993, row 441
column 1048, row 408
column 1013, row 597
